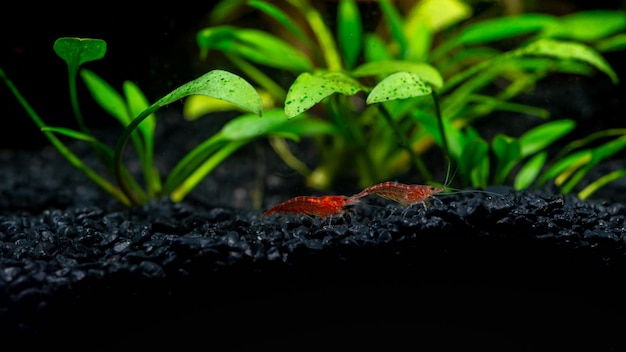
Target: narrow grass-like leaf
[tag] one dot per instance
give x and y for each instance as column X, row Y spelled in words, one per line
column 106, row 96
column 426, row 71
column 399, row 85
column 529, row 172
column 601, row 182
column 568, row 50
column 70, row 133
column 137, row 102
column 542, row 136
column 508, row 152
column 287, row 21
column 503, row 28
column 587, row 25
column 614, row 43
column 475, row 151
column 375, row 49
column 396, row 25
column 255, row 45
column 349, row 31
column 563, row 168
column 309, row 89
column 599, row 153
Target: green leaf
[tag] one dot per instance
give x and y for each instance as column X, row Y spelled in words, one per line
column 599, row 153
column 399, row 85
column 375, row 49
column 383, row 68
column 568, row 50
column 309, row 89
column 563, row 168
column 255, row 45
column 106, row 96
column 396, row 25
column 287, row 21
column 221, row 85
column 614, row 43
column 137, row 102
column 508, row 152
column 542, row 136
column 436, row 14
column 587, row 25
column 529, row 172
column 274, row 122
column 349, row 31
column 77, row 51
column 601, row 182
column 475, row 152
column 503, row 28
column 70, row 133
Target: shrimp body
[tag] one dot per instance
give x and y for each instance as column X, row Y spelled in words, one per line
column 323, row 207
column 401, row 193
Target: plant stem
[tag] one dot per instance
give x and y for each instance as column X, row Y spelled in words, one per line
column 404, row 143
column 63, row 150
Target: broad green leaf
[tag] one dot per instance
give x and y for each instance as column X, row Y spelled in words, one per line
column 106, row 96
column 542, row 136
column 197, row 106
column 587, row 25
column 399, row 85
column 568, row 50
column 349, row 31
column 77, row 51
column 309, row 89
column 383, row 68
column 437, row 14
column 503, row 28
column 221, row 85
column 529, row 172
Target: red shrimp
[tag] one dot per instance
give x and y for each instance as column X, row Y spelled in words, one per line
column 401, row 193
column 323, row 207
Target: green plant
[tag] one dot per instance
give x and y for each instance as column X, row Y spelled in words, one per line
column 136, row 115
column 461, row 72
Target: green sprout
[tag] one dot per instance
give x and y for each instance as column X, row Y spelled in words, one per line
column 421, row 79
column 136, row 115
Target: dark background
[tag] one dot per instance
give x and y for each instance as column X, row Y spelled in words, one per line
column 155, row 48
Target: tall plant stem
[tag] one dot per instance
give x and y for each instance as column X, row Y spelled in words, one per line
column 404, row 143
